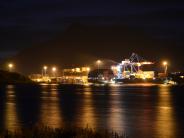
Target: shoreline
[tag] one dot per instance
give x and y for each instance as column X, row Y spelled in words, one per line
column 48, row 132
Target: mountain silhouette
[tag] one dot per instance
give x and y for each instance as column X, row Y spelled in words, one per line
column 81, row 45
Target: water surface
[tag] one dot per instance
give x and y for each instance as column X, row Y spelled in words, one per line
column 137, row 110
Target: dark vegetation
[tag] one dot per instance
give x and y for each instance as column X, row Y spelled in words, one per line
column 67, row 132
column 13, row 77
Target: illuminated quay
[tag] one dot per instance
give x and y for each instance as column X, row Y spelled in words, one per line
column 132, row 70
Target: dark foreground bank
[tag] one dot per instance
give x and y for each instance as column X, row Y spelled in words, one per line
column 68, row 132
column 7, row 77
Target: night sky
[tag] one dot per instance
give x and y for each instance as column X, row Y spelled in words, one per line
column 25, row 23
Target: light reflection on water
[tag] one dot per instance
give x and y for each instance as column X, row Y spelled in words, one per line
column 165, row 120
column 50, row 109
column 116, row 120
column 138, row 110
column 11, row 118
column 86, row 113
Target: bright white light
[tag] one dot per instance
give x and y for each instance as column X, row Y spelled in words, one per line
column 119, row 67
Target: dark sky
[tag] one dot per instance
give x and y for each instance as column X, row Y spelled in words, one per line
column 26, row 22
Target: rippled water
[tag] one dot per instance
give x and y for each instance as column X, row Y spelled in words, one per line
column 137, row 110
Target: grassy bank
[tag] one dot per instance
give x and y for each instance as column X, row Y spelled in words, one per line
column 68, row 132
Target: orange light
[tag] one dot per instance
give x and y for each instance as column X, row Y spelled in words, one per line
column 45, row 67
column 10, row 65
column 165, row 63
column 54, row 69
column 88, row 69
column 138, row 64
column 99, row 61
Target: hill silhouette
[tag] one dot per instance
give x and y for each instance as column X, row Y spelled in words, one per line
column 83, row 44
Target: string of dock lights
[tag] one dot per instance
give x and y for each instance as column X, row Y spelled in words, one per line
column 11, row 66
column 54, row 70
column 45, row 68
